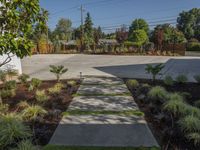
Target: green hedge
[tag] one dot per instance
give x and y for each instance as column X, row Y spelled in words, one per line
column 193, row 46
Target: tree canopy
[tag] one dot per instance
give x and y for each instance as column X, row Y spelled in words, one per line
column 189, row 23
column 139, row 24
column 139, row 37
column 63, row 29
column 17, row 25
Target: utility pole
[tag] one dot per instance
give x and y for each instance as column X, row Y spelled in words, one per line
column 82, row 32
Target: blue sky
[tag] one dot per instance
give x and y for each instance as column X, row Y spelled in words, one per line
column 110, row 14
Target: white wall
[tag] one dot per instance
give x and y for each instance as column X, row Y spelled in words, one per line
column 15, row 63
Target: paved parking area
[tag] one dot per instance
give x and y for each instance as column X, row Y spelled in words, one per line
column 107, row 65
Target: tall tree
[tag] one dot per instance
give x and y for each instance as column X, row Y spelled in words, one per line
column 63, row 29
column 16, row 26
column 170, row 34
column 121, row 35
column 189, row 23
column 139, row 37
column 139, row 24
column 88, row 31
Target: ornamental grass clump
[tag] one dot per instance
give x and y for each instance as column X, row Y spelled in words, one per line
column 41, row 96
column 22, row 105
column 176, row 105
column 132, row 84
column 32, row 112
column 158, row 94
column 3, row 109
column 25, row 145
column 197, row 103
column 34, row 84
column 12, row 130
column 168, row 80
column 23, row 78
column 181, row 79
column 56, row 89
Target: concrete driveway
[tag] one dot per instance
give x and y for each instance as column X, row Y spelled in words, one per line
column 107, row 65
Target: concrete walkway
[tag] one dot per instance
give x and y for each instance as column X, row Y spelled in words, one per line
column 103, row 130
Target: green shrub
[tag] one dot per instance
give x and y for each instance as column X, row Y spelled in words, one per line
column 2, row 76
column 11, row 72
column 56, row 89
column 58, row 71
column 32, row 112
column 12, row 129
column 71, row 83
column 195, row 137
column 25, row 145
column 7, row 93
column 23, row 78
column 41, row 96
column 189, row 123
column 197, row 78
column 176, row 105
column 132, row 83
column 168, row 80
column 10, row 85
column 158, row 93
column 22, row 105
column 181, row 79
column 34, row 84
column 3, row 108
column 154, row 70
column 193, row 46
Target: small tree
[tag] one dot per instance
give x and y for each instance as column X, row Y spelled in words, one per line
column 17, row 21
column 154, row 70
column 58, row 71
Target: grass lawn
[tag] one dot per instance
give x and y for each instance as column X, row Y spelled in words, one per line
column 105, row 112
column 52, row 147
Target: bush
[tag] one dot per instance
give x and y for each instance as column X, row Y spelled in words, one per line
column 10, row 85
column 197, row 78
column 12, row 129
column 22, row 105
column 193, row 46
column 35, row 83
column 7, row 93
column 181, row 79
column 168, row 80
column 41, row 96
column 154, row 70
column 132, row 84
column 189, row 123
column 158, row 94
column 25, row 145
column 2, row 76
column 58, row 71
column 176, row 105
column 23, row 78
column 71, row 83
column 195, row 137
column 32, row 112
column 56, row 89
column 3, row 109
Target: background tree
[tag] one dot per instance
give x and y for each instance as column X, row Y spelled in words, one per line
column 63, row 29
column 97, row 35
column 16, row 27
column 189, row 23
column 121, row 35
column 88, row 32
column 139, row 37
column 139, row 24
column 168, row 34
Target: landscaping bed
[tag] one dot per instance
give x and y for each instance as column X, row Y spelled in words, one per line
column 37, row 107
column 171, row 108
